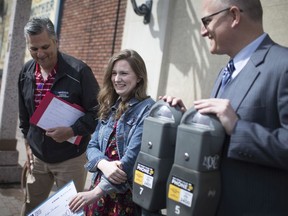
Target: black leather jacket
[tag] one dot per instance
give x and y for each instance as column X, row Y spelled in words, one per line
column 75, row 83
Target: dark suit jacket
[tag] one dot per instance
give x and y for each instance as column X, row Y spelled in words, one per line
column 254, row 166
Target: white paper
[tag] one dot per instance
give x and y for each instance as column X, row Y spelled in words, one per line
column 57, row 204
column 59, row 114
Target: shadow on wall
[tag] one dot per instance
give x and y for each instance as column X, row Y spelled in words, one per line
column 1, row 74
column 187, row 50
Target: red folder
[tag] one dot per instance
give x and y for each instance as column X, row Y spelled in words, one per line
column 56, row 112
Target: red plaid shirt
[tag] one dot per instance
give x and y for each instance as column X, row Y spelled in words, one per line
column 42, row 86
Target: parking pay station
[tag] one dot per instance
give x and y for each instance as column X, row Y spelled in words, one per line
column 156, row 156
column 193, row 186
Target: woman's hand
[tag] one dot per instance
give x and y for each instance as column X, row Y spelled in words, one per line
column 173, row 101
column 82, row 199
column 112, row 170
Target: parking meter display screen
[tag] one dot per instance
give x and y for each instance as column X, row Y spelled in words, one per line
column 162, row 112
column 199, row 119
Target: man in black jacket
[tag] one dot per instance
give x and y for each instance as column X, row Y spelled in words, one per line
column 51, row 158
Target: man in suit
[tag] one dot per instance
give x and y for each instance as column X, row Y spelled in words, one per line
column 252, row 107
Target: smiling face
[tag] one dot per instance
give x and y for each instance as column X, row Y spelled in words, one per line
column 124, row 79
column 43, row 50
column 217, row 26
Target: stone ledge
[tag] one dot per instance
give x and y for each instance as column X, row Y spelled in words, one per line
column 10, row 174
column 9, row 158
column 8, row 144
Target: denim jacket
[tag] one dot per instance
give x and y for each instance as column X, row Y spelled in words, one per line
column 129, row 134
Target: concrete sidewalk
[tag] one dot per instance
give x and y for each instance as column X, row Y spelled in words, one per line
column 11, row 195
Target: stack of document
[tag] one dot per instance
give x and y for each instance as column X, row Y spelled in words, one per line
column 55, row 112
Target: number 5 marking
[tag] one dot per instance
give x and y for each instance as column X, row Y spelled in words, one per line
column 177, row 210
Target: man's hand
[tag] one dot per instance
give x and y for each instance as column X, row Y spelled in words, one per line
column 222, row 109
column 60, row 134
column 30, row 158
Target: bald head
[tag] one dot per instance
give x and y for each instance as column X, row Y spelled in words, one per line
column 252, row 8
column 231, row 25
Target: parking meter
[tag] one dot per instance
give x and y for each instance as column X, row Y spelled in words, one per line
column 192, row 193
column 193, row 186
column 156, row 156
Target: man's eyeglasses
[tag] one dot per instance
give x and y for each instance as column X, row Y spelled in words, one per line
column 206, row 20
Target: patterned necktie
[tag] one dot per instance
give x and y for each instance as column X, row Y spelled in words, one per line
column 229, row 69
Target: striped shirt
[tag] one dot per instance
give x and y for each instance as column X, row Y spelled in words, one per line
column 42, row 86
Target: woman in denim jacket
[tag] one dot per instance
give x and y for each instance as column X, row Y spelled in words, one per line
column 116, row 141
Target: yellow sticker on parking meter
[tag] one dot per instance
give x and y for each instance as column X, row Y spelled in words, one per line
column 138, row 178
column 144, row 175
column 181, row 191
column 174, row 192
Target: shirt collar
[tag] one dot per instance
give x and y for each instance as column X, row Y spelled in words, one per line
column 52, row 73
column 241, row 59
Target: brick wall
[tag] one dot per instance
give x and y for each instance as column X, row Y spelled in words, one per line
column 87, row 31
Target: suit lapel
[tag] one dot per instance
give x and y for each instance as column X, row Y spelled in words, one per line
column 238, row 88
column 217, row 85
